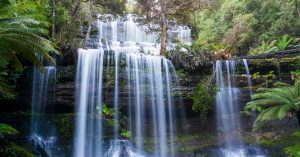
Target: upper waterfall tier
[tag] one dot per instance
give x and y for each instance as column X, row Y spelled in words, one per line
column 127, row 34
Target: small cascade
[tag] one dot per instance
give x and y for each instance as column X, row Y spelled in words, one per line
column 248, row 76
column 228, row 110
column 42, row 127
column 123, row 148
column 125, row 33
column 124, row 65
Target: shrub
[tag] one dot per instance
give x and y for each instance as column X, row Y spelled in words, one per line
column 203, row 98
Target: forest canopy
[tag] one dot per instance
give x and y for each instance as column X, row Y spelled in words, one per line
column 239, row 25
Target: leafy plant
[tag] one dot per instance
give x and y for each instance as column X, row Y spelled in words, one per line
column 108, row 114
column 13, row 150
column 274, row 103
column 264, row 47
column 284, row 42
column 125, row 133
column 294, row 151
column 7, row 130
column 24, row 28
column 203, row 98
column 256, row 75
column 295, row 74
column 221, row 51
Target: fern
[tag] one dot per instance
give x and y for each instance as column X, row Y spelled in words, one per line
column 24, row 29
column 7, row 130
column 294, row 150
column 284, row 42
column 274, row 103
column 264, row 47
column 23, row 32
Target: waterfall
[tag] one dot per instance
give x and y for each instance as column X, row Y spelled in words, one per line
column 249, row 81
column 227, row 98
column 42, row 127
column 126, row 74
column 228, row 109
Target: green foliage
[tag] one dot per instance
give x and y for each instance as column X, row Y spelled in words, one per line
column 62, row 16
column 112, row 6
column 264, row 47
column 23, row 34
column 256, row 75
column 190, row 56
column 268, row 78
column 296, row 74
column 23, row 28
column 108, row 115
column 125, row 133
column 294, row 151
column 284, row 42
column 274, row 103
column 203, row 98
column 8, row 148
column 7, row 130
column 242, row 24
column 13, row 150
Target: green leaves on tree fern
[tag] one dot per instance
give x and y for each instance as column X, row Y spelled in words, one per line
column 24, row 26
column 274, row 103
column 23, row 31
column 7, row 130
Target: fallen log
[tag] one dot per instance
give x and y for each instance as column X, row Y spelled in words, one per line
column 276, row 54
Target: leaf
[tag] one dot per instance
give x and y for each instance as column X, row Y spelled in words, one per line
column 274, row 103
column 7, row 130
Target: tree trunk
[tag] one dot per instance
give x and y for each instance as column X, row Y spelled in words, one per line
column 298, row 116
column 277, row 54
column 76, row 8
column 163, row 44
column 53, row 20
column 89, row 27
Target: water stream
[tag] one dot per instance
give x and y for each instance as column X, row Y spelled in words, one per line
column 228, row 111
column 43, row 130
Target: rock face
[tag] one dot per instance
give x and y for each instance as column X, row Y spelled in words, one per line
column 65, row 85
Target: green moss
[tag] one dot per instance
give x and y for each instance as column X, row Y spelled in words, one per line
column 265, row 142
column 64, row 124
column 193, row 143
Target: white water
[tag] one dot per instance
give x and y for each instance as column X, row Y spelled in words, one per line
column 42, row 128
column 146, row 80
column 248, row 76
column 124, row 33
column 228, row 110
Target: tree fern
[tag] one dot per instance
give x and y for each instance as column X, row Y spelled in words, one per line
column 284, row 42
column 23, row 32
column 274, row 103
column 6, row 130
column 24, row 26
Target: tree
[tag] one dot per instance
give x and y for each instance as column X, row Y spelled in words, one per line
column 161, row 11
column 244, row 24
column 112, row 6
column 274, row 103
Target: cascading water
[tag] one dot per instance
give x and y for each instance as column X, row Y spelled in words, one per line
column 248, row 76
column 42, row 128
column 122, row 63
column 228, row 111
